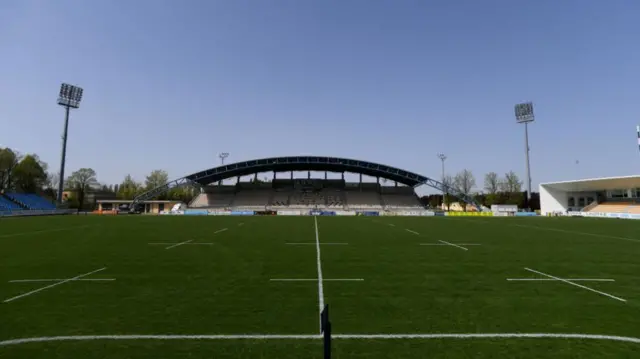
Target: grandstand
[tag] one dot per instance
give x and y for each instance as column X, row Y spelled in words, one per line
column 307, row 192
column 12, row 202
column 597, row 195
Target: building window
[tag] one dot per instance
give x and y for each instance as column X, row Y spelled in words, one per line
column 581, row 202
column 618, row 193
column 572, row 202
column 589, row 200
column 160, row 207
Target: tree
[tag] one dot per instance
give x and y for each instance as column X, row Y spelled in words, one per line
column 30, row 174
column 9, row 159
column 156, row 179
column 82, row 181
column 464, row 182
column 448, row 183
column 491, row 183
column 129, row 188
column 511, row 183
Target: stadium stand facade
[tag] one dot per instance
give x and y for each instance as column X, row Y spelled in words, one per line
column 305, row 193
column 597, row 195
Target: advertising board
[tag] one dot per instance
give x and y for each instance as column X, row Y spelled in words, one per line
column 242, row 213
column 196, row 212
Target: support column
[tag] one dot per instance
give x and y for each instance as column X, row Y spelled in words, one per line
column 308, row 174
column 292, row 175
column 325, row 175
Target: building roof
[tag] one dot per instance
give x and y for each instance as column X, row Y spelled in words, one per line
column 596, row 184
column 306, row 163
column 129, row 201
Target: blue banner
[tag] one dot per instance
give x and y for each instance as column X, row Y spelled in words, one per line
column 242, row 213
column 526, row 214
column 196, row 212
column 367, row 213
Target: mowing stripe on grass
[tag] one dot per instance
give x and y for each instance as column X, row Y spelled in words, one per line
column 179, row 244
column 41, row 231
column 53, row 285
column 318, row 337
column 59, row 280
column 220, row 230
column 319, row 262
column 414, row 232
column 454, row 245
column 553, row 280
column 577, row 285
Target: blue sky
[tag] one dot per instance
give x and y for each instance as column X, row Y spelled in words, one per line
column 170, row 84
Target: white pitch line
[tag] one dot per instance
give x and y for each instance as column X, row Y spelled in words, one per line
column 462, row 336
column 315, row 279
column 220, row 230
column 444, row 244
column 240, row 224
column 53, row 285
column 164, row 244
column 392, row 225
column 322, row 244
column 414, row 232
column 454, row 245
column 41, row 231
column 319, row 262
column 577, row 285
column 60, row 280
column 179, row 244
column 569, row 279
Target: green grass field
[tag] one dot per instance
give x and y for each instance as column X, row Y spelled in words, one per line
column 378, row 279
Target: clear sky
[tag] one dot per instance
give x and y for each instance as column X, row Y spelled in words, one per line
column 170, row 84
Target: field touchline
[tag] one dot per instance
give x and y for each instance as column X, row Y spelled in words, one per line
column 319, row 265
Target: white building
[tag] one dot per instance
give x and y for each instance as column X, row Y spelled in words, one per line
column 610, row 194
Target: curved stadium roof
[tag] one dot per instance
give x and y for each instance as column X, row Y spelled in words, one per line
column 306, row 163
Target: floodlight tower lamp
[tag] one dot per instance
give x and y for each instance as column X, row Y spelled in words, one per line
column 69, row 97
column 524, row 114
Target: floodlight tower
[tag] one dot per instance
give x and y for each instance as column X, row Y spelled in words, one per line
column 524, row 114
column 69, row 97
column 222, row 156
column 442, row 158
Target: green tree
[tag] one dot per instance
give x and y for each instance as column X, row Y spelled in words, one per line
column 129, row 188
column 9, row 159
column 30, row 174
column 155, row 179
column 81, row 181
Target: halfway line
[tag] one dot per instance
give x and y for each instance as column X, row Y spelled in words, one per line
column 577, row 285
column 318, row 337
